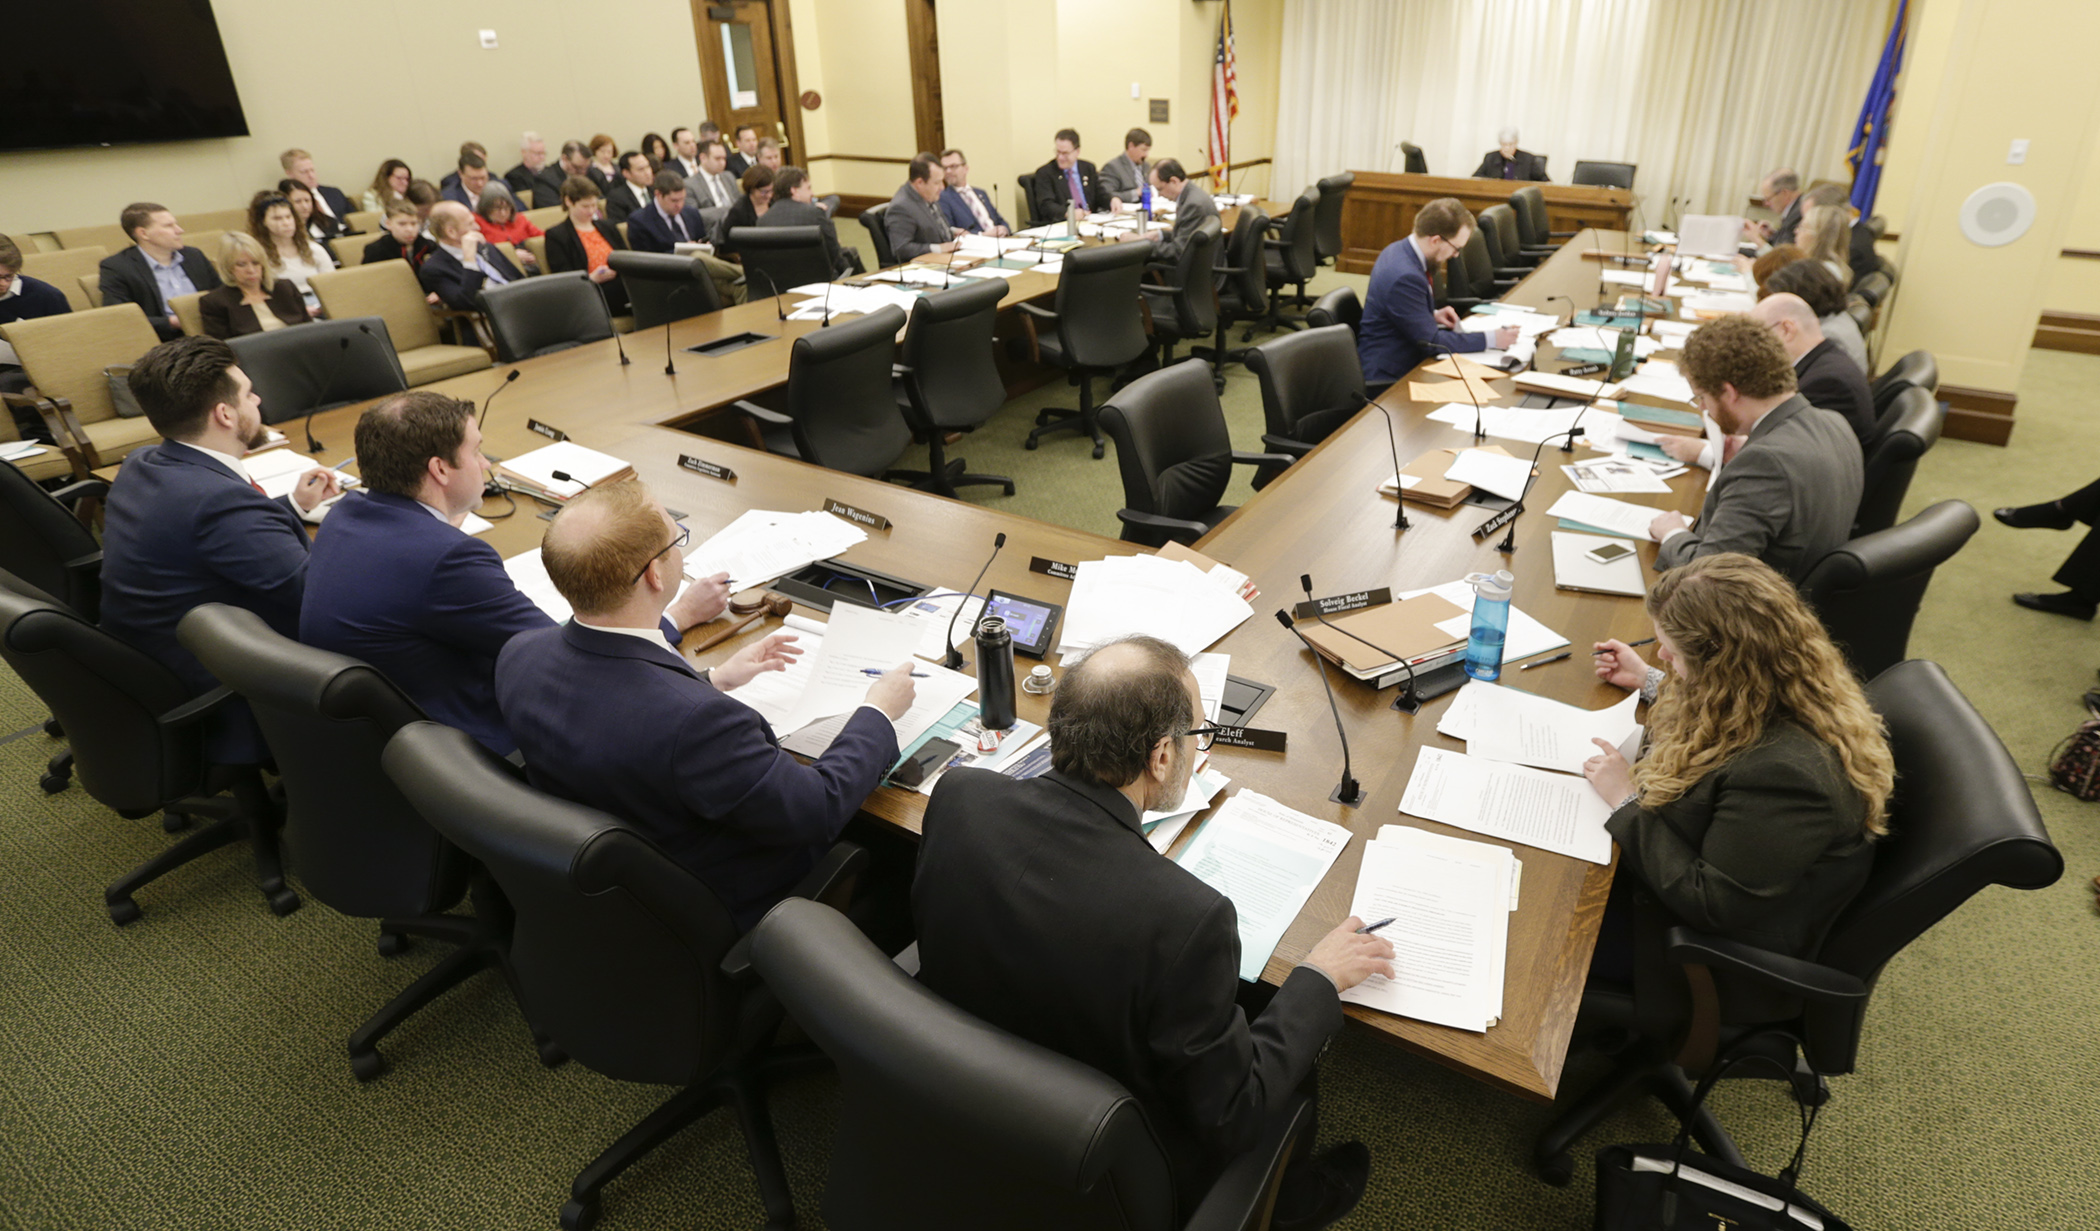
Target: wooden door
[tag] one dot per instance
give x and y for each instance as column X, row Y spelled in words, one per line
column 747, row 69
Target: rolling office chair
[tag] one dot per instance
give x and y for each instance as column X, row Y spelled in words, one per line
column 949, row 380
column 1187, row 306
column 1917, row 368
column 663, row 287
column 1604, row 174
column 711, row 217
column 1961, row 819
column 1470, row 276
column 1097, row 326
column 1535, row 238
column 1029, row 1140
column 45, row 542
column 1176, row 455
column 539, row 316
column 1911, row 427
column 138, row 744
column 1242, row 285
column 1289, row 259
column 841, row 407
column 627, row 961
column 779, row 259
column 1311, row 384
column 1339, row 306
column 875, row 220
column 320, row 365
column 1413, row 163
column 1327, row 222
column 1506, row 256
column 1868, row 591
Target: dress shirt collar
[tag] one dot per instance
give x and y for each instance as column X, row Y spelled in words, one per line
column 653, row 635
column 227, row 460
column 434, row 511
column 13, row 288
column 1415, row 242
column 174, row 260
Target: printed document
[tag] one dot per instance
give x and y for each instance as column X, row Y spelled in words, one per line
column 1508, row 724
column 1554, row 812
column 1267, row 858
column 1449, row 900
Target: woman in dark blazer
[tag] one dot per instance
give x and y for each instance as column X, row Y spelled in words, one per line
column 568, row 249
column 1766, row 778
column 242, row 306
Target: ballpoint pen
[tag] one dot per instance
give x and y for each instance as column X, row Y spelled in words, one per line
column 345, row 462
column 1557, row 658
column 1369, row 928
column 1629, row 645
column 917, row 675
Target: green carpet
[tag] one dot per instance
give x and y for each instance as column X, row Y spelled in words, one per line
column 188, row 1071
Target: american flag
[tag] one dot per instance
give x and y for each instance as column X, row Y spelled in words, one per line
column 1224, row 101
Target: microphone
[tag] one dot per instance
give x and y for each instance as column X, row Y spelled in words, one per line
column 760, row 273
column 953, row 659
column 484, row 416
column 320, row 399
column 1407, row 701
column 1572, row 309
column 1399, row 493
column 1509, row 541
column 624, row 360
column 994, row 202
column 1479, row 432
column 826, row 322
column 1348, row 792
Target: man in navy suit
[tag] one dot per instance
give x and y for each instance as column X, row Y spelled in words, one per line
column 608, row 715
column 185, row 525
column 463, row 262
column 156, row 269
column 395, row 583
column 667, row 222
column 1402, row 325
column 972, row 209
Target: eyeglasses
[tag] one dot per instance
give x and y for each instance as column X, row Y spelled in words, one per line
column 1205, row 735
column 685, row 535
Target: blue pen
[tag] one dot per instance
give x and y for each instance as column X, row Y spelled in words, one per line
column 917, row 675
column 345, row 462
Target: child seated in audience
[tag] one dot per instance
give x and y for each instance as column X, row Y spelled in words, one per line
column 404, row 238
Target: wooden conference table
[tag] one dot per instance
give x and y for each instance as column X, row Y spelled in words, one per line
column 1322, row 516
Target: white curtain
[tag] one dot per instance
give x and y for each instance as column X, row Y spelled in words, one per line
column 1705, row 96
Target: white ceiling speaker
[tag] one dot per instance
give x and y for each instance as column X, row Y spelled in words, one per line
column 1997, row 214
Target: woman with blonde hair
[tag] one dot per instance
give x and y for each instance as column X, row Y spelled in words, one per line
column 286, row 246
column 1767, row 775
column 1825, row 234
column 252, row 300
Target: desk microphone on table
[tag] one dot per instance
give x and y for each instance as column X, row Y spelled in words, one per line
column 1479, row 432
column 1349, row 792
column 483, row 418
column 1407, row 701
column 624, row 360
column 952, row 658
column 1509, row 541
column 1399, row 492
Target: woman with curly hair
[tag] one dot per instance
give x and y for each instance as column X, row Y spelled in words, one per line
column 1767, row 775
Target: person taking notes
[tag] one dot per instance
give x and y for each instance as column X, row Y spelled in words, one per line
column 1402, row 325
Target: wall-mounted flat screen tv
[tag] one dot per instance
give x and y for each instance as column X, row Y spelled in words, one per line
column 115, row 72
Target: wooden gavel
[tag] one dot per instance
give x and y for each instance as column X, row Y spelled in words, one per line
column 771, row 605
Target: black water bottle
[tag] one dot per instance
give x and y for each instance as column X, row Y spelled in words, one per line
column 995, row 674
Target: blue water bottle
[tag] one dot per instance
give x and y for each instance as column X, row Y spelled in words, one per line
column 1145, row 202
column 1490, row 623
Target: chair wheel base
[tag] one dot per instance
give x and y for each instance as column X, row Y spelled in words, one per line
column 393, row 944
column 367, row 1065
column 1031, row 443
column 174, row 822
column 551, row 1054
column 283, row 902
column 123, row 911
column 1100, row 451
column 1558, row 1170
column 54, row 783
column 578, row 1215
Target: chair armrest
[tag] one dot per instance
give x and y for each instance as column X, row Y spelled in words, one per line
column 1154, row 521
column 1562, row 234
column 88, row 565
column 908, row 960
column 1791, row 975
column 1158, row 288
column 200, row 707
column 898, row 371
column 63, row 426
column 1262, row 459
column 1249, row 1182
column 1285, row 446
column 763, row 415
column 1036, row 310
column 73, row 493
column 831, row 882
column 1228, row 269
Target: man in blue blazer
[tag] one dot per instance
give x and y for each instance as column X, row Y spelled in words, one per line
column 395, row 583
column 1402, row 325
column 608, row 715
column 185, row 525
column 463, row 262
column 972, row 209
column 669, row 220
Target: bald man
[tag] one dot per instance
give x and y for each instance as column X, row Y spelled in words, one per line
column 463, row 262
column 1823, row 374
column 608, row 715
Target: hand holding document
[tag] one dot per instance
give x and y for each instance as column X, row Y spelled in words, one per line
column 1554, row 812
column 1507, row 724
column 1267, row 858
column 1449, row 900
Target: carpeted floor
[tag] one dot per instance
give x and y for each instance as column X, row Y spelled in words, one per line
column 188, row 1071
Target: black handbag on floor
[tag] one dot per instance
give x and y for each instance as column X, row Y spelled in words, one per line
column 1676, row 1188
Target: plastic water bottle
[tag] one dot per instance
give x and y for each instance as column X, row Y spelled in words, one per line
column 1145, row 203
column 1490, row 623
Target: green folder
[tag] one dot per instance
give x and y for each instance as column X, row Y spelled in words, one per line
column 1585, row 354
column 1633, row 412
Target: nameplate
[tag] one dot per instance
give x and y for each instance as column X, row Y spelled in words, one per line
column 1498, row 521
column 859, row 517
column 1583, row 369
column 548, row 430
column 1250, row 737
column 1053, row 568
column 1336, row 603
column 712, row 470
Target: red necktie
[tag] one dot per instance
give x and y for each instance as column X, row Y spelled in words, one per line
column 258, row 488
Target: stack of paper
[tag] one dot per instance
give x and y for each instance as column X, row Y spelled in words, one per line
column 1554, row 812
column 1590, row 337
column 1574, row 570
column 1508, row 724
column 1713, row 235
column 279, row 472
column 1495, row 472
column 1606, row 514
column 1526, row 636
column 987, row 245
column 809, row 703
column 1620, row 474
column 534, row 471
column 760, row 546
column 1658, row 379
column 1516, row 422
column 1368, row 643
column 1172, row 600
column 529, row 574
column 1704, row 304
column 1565, row 386
column 16, row 450
column 1449, row 900
column 1267, row 859
column 1161, row 828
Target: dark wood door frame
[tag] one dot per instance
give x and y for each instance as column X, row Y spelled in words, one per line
column 924, row 40
column 788, row 89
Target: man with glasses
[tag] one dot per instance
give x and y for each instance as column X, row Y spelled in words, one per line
column 1042, row 909
column 966, row 208
column 1779, row 192
column 1402, row 325
column 608, row 715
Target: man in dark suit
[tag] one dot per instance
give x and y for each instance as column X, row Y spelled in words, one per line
column 534, row 182
column 913, row 222
column 328, row 199
column 156, row 268
column 463, row 261
column 395, row 582
column 632, row 191
column 745, row 155
column 473, row 178
column 608, row 715
column 1067, row 179
column 185, row 525
column 1779, row 192
column 1507, row 162
column 1402, row 325
column 670, row 220
column 1192, row 204
column 1823, row 374
column 23, row 298
column 1789, row 494
column 2080, row 574
column 685, row 153
column 1042, row 909
column 794, row 205
column 969, row 209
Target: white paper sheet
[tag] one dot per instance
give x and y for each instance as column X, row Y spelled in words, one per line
column 1709, row 234
column 1161, row 828
column 1210, row 671
column 1268, row 859
column 1523, row 729
column 1615, row 474
column 1450, row 931
column 1554, row 812
column 1526, row 636
column 584, row 466
column 761, row 545
column 529, row 573
column 1615, row 516
column 856, row 640
column 934, row 615
column 1494, row 472
column 1169, row 599
column 932, row 698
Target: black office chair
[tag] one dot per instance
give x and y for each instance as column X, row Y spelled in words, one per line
column 1098, row 326
column 875, row 219
column 779, row 259
column 841, row 407
column 1175, row 454
column 1917, row 368
column 949, row 380
column 1186, row 306
column 1414, row 163
column 138, row 744
column 1874, row 287
column 1535, row 238
column 1311, row 384
column 1028, row 1140
column 1024, row 184
column 1604, row 174
column 1911, row 427
column 1327, row 222
column 1505, row 245
column 320, row 365
column 1339, row 306
column 538, row 316
column 1961, row 819
column 1289, row 260
column 626, row 960
column 1868, row 591
column 663, row 287
column 45, row 542
column 1242, row 285
column 1470, row 276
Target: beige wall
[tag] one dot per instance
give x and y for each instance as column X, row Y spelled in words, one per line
column 853, row 53
column 355, row 85
column 2074, row 282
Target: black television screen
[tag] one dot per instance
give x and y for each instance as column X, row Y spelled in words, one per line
column 115, row 72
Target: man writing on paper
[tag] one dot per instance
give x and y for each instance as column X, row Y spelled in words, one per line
column 1042, row 909
column 1823, row 374
column 1402, row 325
column 1789, row 494
column 609, row 716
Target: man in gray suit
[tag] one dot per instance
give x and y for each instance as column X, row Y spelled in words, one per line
column 1124, row 175
column 712, row 186
column 1789, row 495
column 794, row 205
column 1192, row 204
column 913, row 220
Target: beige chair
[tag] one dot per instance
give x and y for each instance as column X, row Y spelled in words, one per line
column 623, row 235
column 206, row 242
column 389, row 290
column 189, row 311
column 213, row 220
column 51, row 463
column 64, row 357
column 369, row 221
column 510, row 253
column 349, row 250
column 537, row 246
column 64, row 269
column 110, row 238
column 544, row 218
column 90, row 284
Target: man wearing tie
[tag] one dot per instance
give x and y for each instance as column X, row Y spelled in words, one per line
column 669, row 220
column 463, row 262
column 1066, row 180
column 713, row 187
column 1402, row 325
column 967, row 208
column 631, row 191
column 913, row 222
column 1123, row 177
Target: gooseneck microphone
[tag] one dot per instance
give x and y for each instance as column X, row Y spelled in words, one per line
column 1399, row 492
column 483, row 418
column 624, row 360
column 952, row 658
column 321, row 398
column 1348, row 793
column 1479, row 431
column 825, row 323
column 1407, row 700
column 1509, row 541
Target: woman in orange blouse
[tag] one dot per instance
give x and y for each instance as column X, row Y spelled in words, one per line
column 586, row 241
